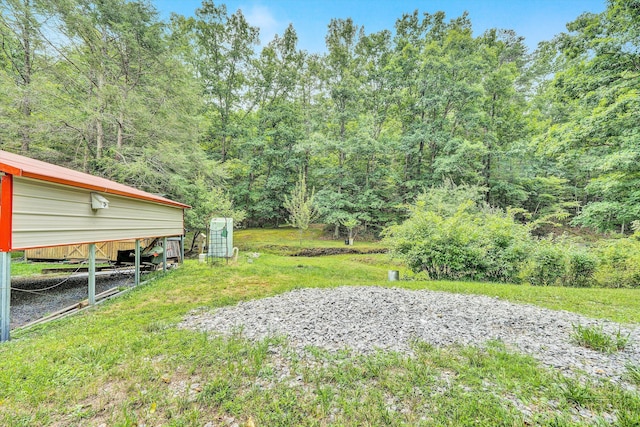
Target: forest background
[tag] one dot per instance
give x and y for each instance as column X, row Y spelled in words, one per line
column 196, row 110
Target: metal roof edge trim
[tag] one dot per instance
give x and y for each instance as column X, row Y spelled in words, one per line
column 11, row 170
column 21, row 166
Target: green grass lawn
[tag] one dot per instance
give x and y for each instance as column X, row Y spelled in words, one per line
column 286, row 240
column 21, row 268
column 29, row 268
column 126, row 363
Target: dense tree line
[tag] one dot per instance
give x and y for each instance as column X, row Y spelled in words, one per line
column 195, row 109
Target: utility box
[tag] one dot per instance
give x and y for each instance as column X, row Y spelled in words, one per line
column 220, row 244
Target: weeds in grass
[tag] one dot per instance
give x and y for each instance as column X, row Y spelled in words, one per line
column 270, row 383
column 627, row 419
column 633, row 373
column 577, row 393
column 216, row 392
column 595, row 338
column 559, row 421
column 156, row 326
column 476, row 357
column 421, row 346
column 325, row 396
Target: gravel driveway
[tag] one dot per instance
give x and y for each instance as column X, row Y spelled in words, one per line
column 368, row 318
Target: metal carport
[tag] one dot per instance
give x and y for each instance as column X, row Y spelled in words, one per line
column 44, row 205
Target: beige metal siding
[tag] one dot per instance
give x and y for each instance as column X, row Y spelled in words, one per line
column 46, row 214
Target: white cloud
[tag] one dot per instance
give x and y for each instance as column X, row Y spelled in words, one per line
column 260, row 16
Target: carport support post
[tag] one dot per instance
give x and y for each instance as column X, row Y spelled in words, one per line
column 92, row 274
column 181, row 249
column 136, row 276
column 164, row 254
column 5, row 295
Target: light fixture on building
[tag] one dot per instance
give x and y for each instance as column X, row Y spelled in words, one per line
column 98, row 201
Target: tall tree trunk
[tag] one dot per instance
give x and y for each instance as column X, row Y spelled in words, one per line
column 25, row 130
column 407, row 161
column 487, row 174
column 99, row 136
column 100, row 83
column 247, row 197
column 85, row 159
column 490, row 146
column 224, row 148
column 120, row 136
column 419, row 166
column 100, row 113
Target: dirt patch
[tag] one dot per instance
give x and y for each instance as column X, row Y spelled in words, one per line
column 311, row 252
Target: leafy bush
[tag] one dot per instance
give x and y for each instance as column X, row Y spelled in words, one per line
column 581, row 269
column 452, row 234
column 559, row 263
column 467, row 241
column 547, row 264
column 618, row 263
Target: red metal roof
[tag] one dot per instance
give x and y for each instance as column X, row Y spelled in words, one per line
column 16, row 165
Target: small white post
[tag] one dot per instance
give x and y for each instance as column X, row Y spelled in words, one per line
column 5, row 295
column 164, row 254
column 92, row 274
column 136, row 281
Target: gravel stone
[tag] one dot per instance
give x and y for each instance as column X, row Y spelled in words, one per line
column 364, row 319
column 28, row 306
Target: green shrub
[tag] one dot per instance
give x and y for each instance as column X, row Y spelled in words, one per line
column 581, row 268
column 470, row 242
column 452, row 234
column 618, row 263
column 559, row 263
column 547, row 265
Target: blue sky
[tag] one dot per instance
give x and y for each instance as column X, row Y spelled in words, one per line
column 536, row 20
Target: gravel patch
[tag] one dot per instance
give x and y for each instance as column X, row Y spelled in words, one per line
column 364, row 319
column 33, row 305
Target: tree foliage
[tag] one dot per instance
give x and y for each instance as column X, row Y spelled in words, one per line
column 593, row 107
column 301, row 206
column 195, row 108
